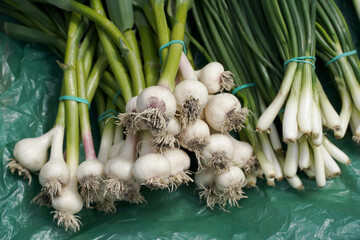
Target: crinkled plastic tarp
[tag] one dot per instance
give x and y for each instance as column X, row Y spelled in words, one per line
column 29, row 90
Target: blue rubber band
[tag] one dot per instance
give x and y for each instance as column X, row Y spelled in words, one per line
column 76, row 99
column 242, row 87
column 301, row 60
column 116, row 96
column 107, row 114
column 345, row 54
column 168, row 44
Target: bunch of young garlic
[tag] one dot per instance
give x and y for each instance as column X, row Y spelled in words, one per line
column 156, row 123
column 198, row 119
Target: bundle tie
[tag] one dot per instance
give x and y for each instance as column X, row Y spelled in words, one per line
column 116, row 96
column 345, row 54
column 107, row 114
column 168, row 44
column 76, row 99
column 242, row 87
column 301, row 60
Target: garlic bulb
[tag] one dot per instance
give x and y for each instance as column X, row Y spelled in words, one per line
column 55, row 172
column 131, row 105
column 128, row 119
column 156, row 106
column 230, row 183
column 180, row 163
column 223, row 113
column 195, row 137
column 133, row 194
column 191, row 97
column 118, row 170
column 30, row 154
column 205, row 182
column 204, row 178
column 67, row 204
column 215, row 78
column 152, row 170
column 174, row 127
column 89, row 175
column 243, row 156
column 167, row 138
column 218, row 153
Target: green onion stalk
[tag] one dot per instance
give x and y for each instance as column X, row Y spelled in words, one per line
column 17, row 15
column 57, row 18
column 357, row 7
column 32, row 28
column 40, row 18
column 22, row 33
column 304, row 89
column 333, row 40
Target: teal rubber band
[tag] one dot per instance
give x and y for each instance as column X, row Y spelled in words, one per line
column 107, row 114
column 168, row 44
column 345, row 54
column 301, row 60
column 242, row 87
column 116, row 96
column 281, row 111
column 76, row 99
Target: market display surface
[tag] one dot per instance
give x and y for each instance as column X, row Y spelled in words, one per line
column 117, row 136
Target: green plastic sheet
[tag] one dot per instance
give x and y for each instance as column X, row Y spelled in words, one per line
column 30, row 83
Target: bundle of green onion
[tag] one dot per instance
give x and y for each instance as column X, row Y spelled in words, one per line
column 336, row 49
column 271, row 45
